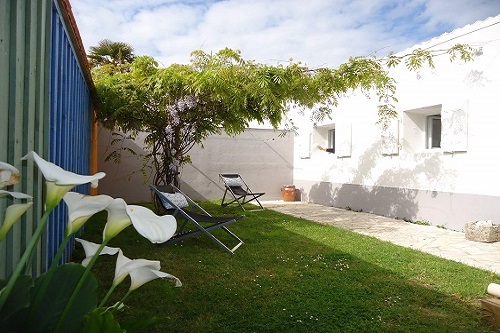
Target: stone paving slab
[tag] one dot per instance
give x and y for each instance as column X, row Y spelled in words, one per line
column 437, row 241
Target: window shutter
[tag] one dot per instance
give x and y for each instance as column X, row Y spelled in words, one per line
column 343, row 140
column 454, row 130
column 390, row 137
column 305, row 144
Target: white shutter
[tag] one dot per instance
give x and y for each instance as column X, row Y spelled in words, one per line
column 390, row 137
column 343, row 139
column 454, row 130
column 305, row 144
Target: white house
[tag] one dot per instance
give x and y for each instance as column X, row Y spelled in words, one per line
column 439, row 162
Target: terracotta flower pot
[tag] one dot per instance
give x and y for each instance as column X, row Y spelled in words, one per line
column 288, row 192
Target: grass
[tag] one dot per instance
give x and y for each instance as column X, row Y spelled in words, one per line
column 293, row 275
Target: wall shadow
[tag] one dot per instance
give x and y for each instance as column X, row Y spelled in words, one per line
column 394, row 192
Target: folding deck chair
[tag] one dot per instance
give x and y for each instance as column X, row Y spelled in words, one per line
column 186, row 211
column 239, row 190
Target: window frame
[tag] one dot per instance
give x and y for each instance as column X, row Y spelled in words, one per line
column 433, row 141
column 331, row 139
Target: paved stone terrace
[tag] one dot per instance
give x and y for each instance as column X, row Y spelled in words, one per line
column 437, row 241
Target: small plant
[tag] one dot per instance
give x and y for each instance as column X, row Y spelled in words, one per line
column 421, row 222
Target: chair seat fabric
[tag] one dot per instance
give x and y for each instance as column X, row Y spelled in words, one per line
column 192, row 214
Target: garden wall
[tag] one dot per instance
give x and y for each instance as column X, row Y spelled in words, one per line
column 260, row 156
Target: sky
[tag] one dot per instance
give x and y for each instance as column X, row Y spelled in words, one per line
column 317, row 33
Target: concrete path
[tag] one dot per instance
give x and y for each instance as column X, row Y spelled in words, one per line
column 437, row 241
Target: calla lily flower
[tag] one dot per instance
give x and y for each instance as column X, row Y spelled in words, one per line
column 118, row 219
column 158, row 229
column 15, row 195
column 125, row 265
column 9, row 175
column 13, row 212
column 81, row 208
column 59, row 176
column 58, row 180
column 143, row 275
column 91, row 248
column 123, row 268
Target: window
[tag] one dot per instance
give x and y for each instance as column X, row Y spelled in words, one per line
column 422, row 129
column 324, row 136
column 433, row 133
column 331, row 140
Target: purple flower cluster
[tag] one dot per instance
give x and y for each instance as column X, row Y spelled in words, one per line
column 169, row 133
column 186, row 103
column 174, row 165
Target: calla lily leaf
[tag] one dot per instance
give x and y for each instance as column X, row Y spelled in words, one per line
column 9, row 175
column 125, row 265
column 118, row 219
column 82, row 207
column 59, row 176
column 91, row 248
column 101, row 320
column 143, row 275
column 158, row 229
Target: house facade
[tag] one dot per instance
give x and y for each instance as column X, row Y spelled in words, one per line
column 437, row 162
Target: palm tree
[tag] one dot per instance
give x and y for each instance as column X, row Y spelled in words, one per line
column 109, row 52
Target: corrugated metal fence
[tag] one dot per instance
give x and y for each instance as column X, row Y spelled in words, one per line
column 44, row 106
column 70, row 122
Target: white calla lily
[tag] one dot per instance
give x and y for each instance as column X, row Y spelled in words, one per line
column 158, row 229
column 13, row 212
column 143, row 275
column 9, row 175
column 118, row 219
column 59, row 176
column 15, row 195
column 81, row 208
column 58, row 180
column 91, row 248
column 140, row 271
column 125, row 265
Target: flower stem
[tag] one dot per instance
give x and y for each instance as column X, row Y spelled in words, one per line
column 78, row 287
column 107, row 295
column 5, row 292
column 117, row 306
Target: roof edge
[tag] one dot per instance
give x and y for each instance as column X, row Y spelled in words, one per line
column 76, row 39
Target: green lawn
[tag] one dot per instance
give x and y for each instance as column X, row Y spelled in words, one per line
column 292, row 275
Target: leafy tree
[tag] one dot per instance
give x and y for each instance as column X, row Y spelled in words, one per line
column 109, row 52
column 180, row 105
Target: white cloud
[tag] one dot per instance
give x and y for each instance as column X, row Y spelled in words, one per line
column 316, row 32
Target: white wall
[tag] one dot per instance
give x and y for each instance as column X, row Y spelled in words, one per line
column 260, row 156
column 405, row 179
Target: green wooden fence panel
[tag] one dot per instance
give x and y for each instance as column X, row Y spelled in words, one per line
column 26, row 102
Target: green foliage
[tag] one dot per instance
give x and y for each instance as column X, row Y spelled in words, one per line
column 101, row 321
column 181, row 105
column 465, row 52
column 17, row 316
column 17, row 302
column 109, row 52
